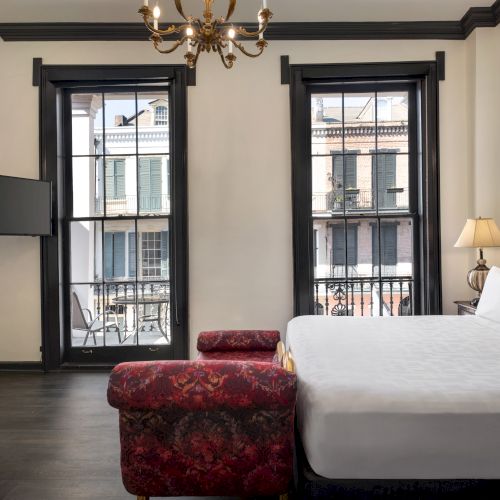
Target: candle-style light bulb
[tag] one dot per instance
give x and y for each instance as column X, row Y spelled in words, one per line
column 146, row 3
column 231, row 33
column 264, row 4
column 189, row 31
column 156, row 12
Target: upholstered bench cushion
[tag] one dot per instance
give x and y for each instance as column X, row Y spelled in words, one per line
column 238, row 340
column 200, row 385
column 263, row 356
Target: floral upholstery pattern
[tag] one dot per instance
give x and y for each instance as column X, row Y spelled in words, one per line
column 264, row 356
column 204, row 427
column 238, row 340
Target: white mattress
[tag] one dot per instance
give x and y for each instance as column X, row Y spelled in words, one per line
column 399, row 398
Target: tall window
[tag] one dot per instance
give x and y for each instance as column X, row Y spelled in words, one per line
column 120, row 224
column 366, row 274
column 365, row 189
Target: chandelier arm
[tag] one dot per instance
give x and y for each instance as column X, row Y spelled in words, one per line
column 261, row 46
column 195, row 59
column 173, row 47
column 169, row 31
column 180, row 10
column 227, row 64
column 230, row 11
column 266, row 15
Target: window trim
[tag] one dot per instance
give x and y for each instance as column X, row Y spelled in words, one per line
column 54, row 80
column 303, row 78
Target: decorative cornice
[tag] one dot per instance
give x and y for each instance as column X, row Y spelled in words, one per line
column 360, row 130
column 476, row 17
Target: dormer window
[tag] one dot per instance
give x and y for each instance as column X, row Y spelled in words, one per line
column 161, row 116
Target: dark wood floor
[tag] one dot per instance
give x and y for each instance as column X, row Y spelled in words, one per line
column 58, row 438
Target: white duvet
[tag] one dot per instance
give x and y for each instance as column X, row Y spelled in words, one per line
column 410, row 397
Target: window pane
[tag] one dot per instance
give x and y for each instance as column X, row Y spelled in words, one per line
column 392, row 116
column 87, row 187
column 87, row 309
column 326, row 123
column 154, row 250
column 359, row 119
column 153, row 122
column 154, row 313
column 392, row 181
column 323, row 185
column 121, row 314
column 86, row 251
column 86, row 123
column 120, row 118
column 119, row 178
column 396, row 248
column 154, row 185
column 119, row 251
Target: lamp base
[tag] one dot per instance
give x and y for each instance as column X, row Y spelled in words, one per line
column 475, row 302
column 477, row 276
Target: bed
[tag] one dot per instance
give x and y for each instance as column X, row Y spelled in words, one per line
column 407, row 407
column 398, row 398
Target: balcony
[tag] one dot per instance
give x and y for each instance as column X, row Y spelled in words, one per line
column 127, row 205
column 137, row 313
column 361, row 200
column 364, row 296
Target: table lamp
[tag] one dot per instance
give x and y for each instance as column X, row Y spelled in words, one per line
column 479, row 233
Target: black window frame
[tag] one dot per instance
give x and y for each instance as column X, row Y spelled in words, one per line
column 55, row 80
column 308, row 79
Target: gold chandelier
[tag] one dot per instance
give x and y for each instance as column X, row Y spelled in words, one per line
column 209, row 34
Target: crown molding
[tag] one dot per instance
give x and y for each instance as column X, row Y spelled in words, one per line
column 476, row 17
column 480, row 17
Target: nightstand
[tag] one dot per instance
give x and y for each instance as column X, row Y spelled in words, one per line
column 465, row 308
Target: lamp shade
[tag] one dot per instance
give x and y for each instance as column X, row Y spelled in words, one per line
column 479, row 233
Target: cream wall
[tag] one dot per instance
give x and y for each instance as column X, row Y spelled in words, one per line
column 240, row 217
column 483, row 50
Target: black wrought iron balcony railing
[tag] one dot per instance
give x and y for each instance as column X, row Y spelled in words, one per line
column 134, row 303
column 360, row 199
column 364, row 296
column 128, row 204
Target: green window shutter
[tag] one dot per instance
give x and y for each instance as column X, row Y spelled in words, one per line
column 338, row 172
column 115, row 178
column 386, row 174
column 131, row 255
column 155, row 183
column 389, row 245
column 338, row 237
column 164, row 254
column 351, row 167
column 108, row 255
column 144, row 184
column 352, row 245
column 119, row 255
column 119, row 178
column 338, row 245
column 110, row 179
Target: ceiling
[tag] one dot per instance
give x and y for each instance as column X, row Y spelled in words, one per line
column 285, row 10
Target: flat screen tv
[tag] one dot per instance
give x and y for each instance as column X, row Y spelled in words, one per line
column 25, row 207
